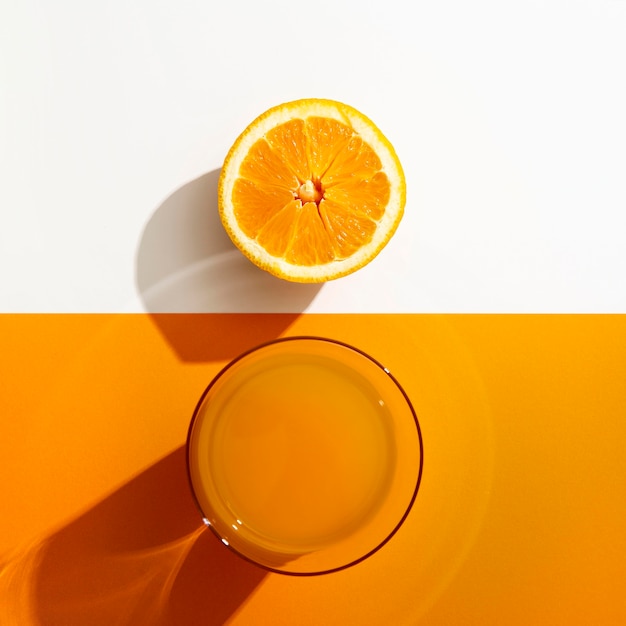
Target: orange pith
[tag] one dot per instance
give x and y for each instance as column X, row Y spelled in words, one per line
column 310, row 192
column 340, row 172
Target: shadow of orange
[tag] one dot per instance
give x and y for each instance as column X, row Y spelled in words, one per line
column 205, row 337
column 140, row 557
column 186, row 263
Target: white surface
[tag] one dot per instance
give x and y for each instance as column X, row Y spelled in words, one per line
column 509, row 119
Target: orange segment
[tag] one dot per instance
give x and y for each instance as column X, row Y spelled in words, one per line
column 297, row 234
column 290, row 141
column 349, row 228
column 311, row 191
column 326, row 138
column 368, row 196
column 257, row 203
column 267, row 166
column 276, row 235
column 356, row 160
column 311, row 244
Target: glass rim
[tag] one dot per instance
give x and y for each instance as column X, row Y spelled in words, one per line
column 385, row 370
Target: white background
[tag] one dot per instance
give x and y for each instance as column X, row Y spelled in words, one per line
column 509, row 119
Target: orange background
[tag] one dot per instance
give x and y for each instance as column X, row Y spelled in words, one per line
column 520, row 517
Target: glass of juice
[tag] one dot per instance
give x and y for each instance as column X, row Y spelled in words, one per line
column 304, row 455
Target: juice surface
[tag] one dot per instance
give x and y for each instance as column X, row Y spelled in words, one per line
column 299, row 449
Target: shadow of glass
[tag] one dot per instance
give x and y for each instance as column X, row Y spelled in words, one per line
column 186, row 263
column 138, row 557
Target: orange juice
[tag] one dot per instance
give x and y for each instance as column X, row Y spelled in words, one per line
column 293, row 449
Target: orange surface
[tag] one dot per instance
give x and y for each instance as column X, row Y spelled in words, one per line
column 520, row 516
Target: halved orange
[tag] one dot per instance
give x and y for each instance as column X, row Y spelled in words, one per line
column 311, row 191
